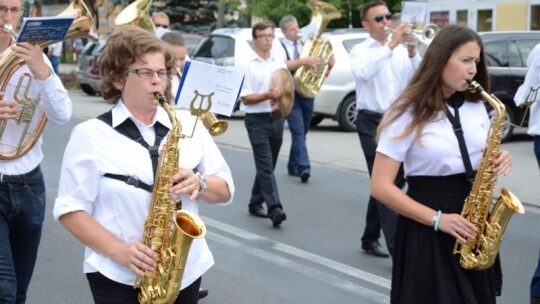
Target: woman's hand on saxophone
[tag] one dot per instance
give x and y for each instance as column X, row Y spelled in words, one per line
column 503, row 163
column 137, row 256
column 33, row 57
column 457, row 226
column 185, row 181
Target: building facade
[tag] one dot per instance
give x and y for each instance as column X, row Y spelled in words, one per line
column 487, row 15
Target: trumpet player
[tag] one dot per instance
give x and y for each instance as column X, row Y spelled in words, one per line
column 382, row 67
column 22, row 188
column 527, row 94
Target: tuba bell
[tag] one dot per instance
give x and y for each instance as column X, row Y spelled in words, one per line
column 137, row 13
column 82, row 27
column 308, row 81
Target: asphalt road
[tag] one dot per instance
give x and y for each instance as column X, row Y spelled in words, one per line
column 314, row 257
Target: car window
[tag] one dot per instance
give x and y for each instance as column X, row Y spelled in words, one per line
column 88, row 48
column 496, row 53
column 217, row 47
column 349, row 44
column 99, row 49
column 519, row 51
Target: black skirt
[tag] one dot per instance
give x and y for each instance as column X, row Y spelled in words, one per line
column 425, row 269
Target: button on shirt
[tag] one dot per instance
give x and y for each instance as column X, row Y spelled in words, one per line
column 532, row 79
column 95, row 149
column 381, row 74
column 437, row 153
column 258, row 74
column 53, row 101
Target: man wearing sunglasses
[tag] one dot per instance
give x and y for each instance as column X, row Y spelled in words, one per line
column 382, row 66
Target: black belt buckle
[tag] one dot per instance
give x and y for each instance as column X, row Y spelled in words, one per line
column 133, row 182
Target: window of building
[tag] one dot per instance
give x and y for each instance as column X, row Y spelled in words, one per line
column 485, row 21
column 462, row 17
column 535, row 17
column 439, row 18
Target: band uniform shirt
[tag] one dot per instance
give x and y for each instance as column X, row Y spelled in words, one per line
column 437, row 153
column 54, row 101
column 380, row 73
column 95, row 149
column 258, row 74
column 532, row 79
column 288, row 51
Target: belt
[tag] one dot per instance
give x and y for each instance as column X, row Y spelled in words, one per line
column 27, row 178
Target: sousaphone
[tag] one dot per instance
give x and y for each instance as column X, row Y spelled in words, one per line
column 281, row 78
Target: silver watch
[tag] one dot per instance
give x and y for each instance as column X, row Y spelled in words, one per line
column 203, row 184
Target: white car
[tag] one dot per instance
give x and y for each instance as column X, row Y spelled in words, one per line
column 337, row 97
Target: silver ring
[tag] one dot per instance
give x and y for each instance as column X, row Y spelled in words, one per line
column 190, row 181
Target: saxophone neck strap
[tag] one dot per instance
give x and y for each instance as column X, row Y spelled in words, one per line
column 456, row 101
column 130, row 130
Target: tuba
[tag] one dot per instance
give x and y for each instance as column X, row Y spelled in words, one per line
column 137, row 13
column 168, row 231
column 32, row 127
column 308, row 80
column 488, row 215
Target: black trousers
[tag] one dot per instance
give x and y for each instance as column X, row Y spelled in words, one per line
column 107, row 291
column 378, row 216
column 265, row 133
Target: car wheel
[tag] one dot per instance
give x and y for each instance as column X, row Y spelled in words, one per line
column 316, row 120
column 508, row 128
column 88, row 89
column 347, row 114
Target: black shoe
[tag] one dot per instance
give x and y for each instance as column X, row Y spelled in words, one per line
column 257, row 210
column 203, row 292
column 277, row 217
column 374, row 248
column 304, row 176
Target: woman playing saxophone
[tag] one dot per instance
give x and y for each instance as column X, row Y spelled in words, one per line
column 105, row 189
column 418, row 131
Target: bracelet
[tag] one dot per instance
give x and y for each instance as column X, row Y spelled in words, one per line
column 436, row 219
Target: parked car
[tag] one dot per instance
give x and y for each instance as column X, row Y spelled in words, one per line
column 87, row 71
column 337, row 97
column 506, row 54
column 229, row 46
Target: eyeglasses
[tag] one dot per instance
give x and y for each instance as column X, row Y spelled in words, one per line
column 165, row 26
column 380, row 18
column 265, row 36
column 149, row 73
column 14, row 10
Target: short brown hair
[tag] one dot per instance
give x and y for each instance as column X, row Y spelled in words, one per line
column 367, row 6
column 125, row 46
column 261, row 26
column 174, row 38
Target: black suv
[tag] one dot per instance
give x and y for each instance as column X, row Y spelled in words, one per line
column 506, row 54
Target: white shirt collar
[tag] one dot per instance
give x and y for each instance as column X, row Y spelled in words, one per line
column 121, row 113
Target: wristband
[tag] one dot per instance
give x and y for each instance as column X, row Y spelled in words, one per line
column 436, row 219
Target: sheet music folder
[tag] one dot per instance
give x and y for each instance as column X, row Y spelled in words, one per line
column 41, row 29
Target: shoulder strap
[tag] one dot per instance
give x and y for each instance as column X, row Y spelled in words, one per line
column 130, row 130
column 285, row 48
column 456, row 125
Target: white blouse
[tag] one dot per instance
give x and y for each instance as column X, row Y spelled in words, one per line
column 437, row 153
column 95, row 149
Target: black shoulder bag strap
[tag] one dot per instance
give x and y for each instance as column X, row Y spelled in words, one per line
column 129, row 129
column 457, row 101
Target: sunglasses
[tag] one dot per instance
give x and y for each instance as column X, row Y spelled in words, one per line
column 380, row 18
column 161, row 25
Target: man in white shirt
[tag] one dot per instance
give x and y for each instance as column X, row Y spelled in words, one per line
column 265, row 130
column 382, row 66
column 22, row 187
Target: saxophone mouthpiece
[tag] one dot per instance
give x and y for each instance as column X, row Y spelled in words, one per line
column 160, row 98
column 9, row 28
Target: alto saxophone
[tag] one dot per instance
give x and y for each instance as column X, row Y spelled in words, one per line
column 490, row 221
column 168, row 231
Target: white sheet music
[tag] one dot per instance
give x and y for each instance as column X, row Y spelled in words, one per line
column 203, row 83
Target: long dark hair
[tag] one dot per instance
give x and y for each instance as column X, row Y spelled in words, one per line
column 423, row 96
